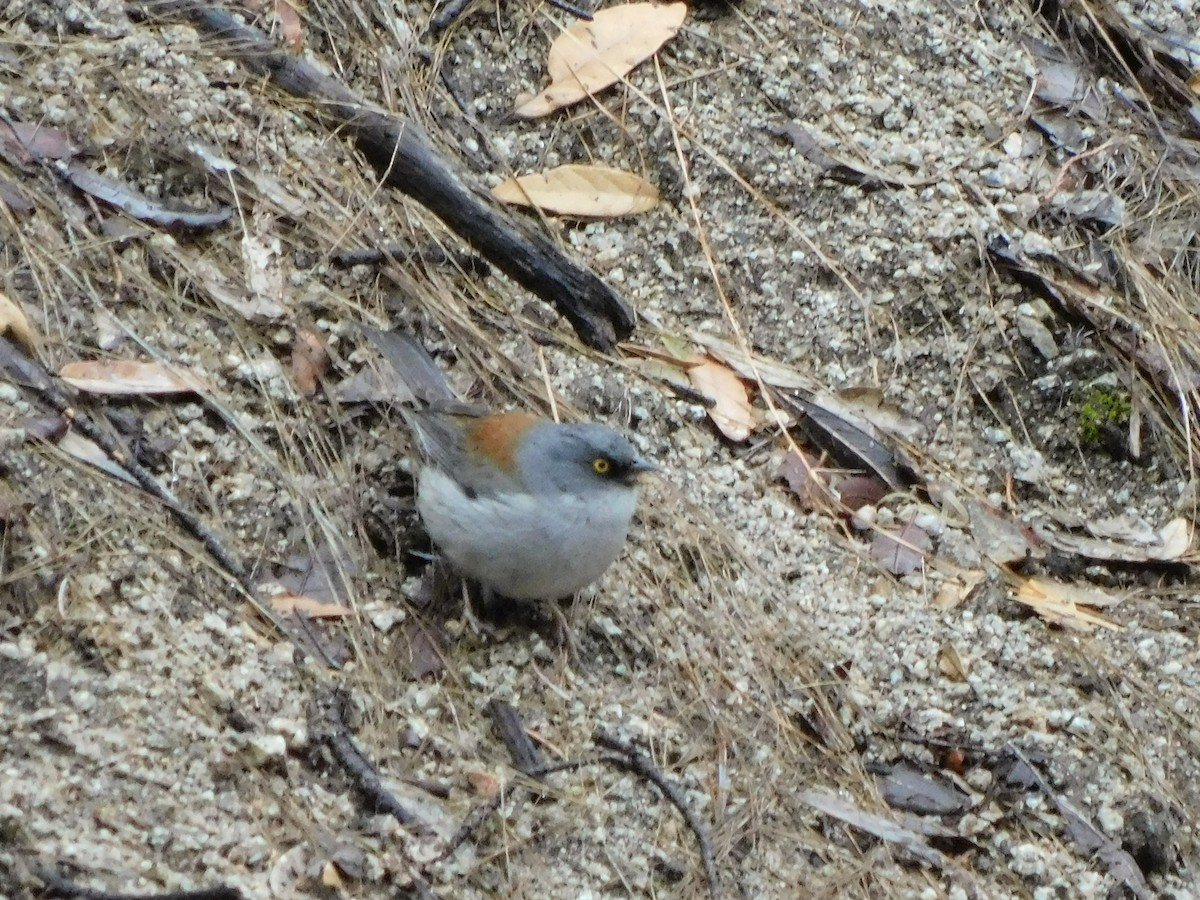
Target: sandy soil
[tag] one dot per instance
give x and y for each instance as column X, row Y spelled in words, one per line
column 160, row 735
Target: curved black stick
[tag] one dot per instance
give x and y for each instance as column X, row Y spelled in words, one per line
column 405, row 159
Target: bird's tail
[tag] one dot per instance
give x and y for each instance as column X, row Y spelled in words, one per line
column 413, row 366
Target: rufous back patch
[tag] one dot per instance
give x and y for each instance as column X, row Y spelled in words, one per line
column 496, row 437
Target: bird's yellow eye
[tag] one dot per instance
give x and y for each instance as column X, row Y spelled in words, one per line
column 601, row 465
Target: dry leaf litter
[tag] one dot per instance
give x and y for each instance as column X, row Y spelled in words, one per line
column 156, row 732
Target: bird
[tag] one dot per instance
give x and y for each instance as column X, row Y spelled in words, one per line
column 528, row 508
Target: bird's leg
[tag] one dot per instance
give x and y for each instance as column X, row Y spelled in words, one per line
column 476, row 622
column 564, row 632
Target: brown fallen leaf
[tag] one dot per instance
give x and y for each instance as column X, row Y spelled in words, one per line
column 1061, row 128
column 1002, row 537
column 318, row 571
column 590, row 56
column 484, row 784
column 902, row 552
column 676, row 351
column 805, row 478
column 731, row 411
column 596, row 192
column 13, row 324
column 750, row 366
column 423, row 650
column 1124, row 529
column 888, row 417
column 885, row 829
column 850, row 440
column 23, row 142
column 14, row 198
column 958, row 588
column 671, row 374
column 85, row 450
column 331, row 878
column 951, row 663
column 1081, row 594
column 910, row 788
column 310, row 360
column 290, row 26
column 1062, row 83
column 123, row 378
column 285, row 604
column 856, row 491
column 1062, row 604
column 44, row 428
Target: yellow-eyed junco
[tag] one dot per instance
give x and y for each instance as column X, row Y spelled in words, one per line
column 529, row 508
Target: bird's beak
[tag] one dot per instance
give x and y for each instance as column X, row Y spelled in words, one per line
column 638, row 468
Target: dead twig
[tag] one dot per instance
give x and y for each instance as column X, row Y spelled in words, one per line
column 453, row 10
column 25, row 371
column 625, row 757
column 511, row 729
column 481, row 814
column 327, row 724
column 469, row 263
column 633, row 760
column 57, row 886
column 450, row 13
column 887, row 829
column 304, row 623
column 1089, row 838
column 328, row 717
column 571, row 10
column 404, row 158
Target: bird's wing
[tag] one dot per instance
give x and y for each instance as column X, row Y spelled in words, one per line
column 440, row 436
column 446, row 440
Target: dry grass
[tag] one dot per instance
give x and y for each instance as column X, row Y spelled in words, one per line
column 692, row 647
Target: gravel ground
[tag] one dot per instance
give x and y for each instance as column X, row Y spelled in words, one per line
column 158, row 732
